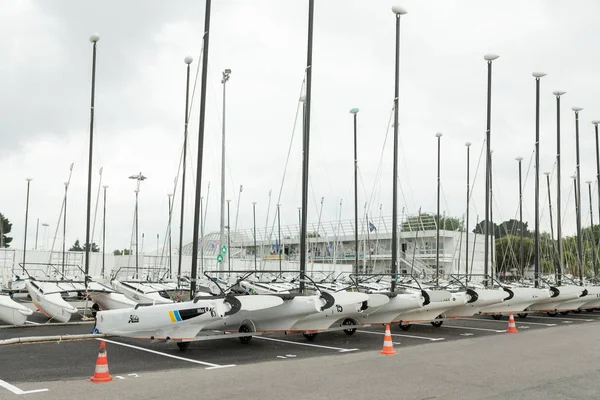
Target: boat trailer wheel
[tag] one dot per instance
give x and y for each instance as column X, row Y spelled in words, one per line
column 310, row 336
column 404, row 326
column 245, row 339
column 577, row 311
column 95, row 309
column 437, row 324
column 564, row 312
column 497, row 316
column 552, row 314
column 183, row 346
column 351, row 331
column 522, row 315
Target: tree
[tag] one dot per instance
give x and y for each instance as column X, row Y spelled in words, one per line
column 508, row 253
column 513, row 227
column 125, row 252
column 5, row 227
column 77, row 247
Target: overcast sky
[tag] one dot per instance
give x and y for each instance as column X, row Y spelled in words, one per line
column 45, row 77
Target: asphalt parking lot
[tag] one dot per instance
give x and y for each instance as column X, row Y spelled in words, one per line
column 25, row 364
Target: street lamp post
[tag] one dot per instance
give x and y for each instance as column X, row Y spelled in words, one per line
column 536, row 271
column 398, row 12
column 589, row 183
column 94, row 40
column 578, row 175
column 488, row 58
column 139, row 178
column 226, row 75
column 26, row 217
column 558, row 95
column 437, row 236
column 354, row 112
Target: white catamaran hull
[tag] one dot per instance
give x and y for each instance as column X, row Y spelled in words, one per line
column 440, row 301
column 139, row 296
column 592, row 298
column 562, row 294
column 177, row 321
column 479, row 299
column 347, row 307
column 112, row 301
column 12, row 312
column 51, row 305
column 277, row 319
column 519, row 299
column 398, row 304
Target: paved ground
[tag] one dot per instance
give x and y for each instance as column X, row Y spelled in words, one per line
column 463, row 353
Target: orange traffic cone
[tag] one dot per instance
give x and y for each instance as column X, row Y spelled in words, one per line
column 101, row 373
column 512, row 328
column 388, row 347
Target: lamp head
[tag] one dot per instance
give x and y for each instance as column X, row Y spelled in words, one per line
column 490, row 57
column 596, row 122
column 547, row 173
column 438, row 135
column 576, row 109
column 354, row 111
column 105, row 186
column 538, row 74
column 468, row 144
column 28, row 179
column 519, row 159
column 558, row 93
column 398, row 10
column 588, row 182
column 188, row 60
column 573, row 177
column 94, row 37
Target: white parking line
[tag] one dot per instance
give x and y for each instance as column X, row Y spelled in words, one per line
column 18, row 391
column 210, row 365
column 561, row 318
column 469, row 328
column 305, row 344
column 403, row 335
column 505, row 322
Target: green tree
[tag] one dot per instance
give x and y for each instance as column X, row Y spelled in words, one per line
column 512, row 227
column 124, row 252
column 5, row 228
column 508, row 254
column 76, row 246
column 492, row 228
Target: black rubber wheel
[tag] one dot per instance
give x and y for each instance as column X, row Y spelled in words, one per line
column 437, row 324
column 310, row 336
column 183, row 346
column 552, row 314
column 522, row 315
column 404, row 326
column 95, row 308
column 564, row 313
column 351, row 331
column 497, row 316
column 245, row 339
column 590, row 310
column 577, row 311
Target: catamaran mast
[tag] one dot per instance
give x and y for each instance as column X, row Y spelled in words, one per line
column 200, row 150
column 305, row 145
column 226, row 75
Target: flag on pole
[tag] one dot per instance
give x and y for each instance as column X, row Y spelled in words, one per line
column 372, row 227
